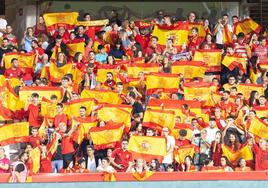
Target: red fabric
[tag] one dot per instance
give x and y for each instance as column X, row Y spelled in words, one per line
column 122, row 157
column 261, row 158
column 11, row 73
column 181, row 143
column 34, row 141
column 67, row 145
column 46, row 164
column 34, row 115
column 143, row 41
column 216, row 156
column 149, row 50
column 65, row 37
column 60, row 118
column 4, row 161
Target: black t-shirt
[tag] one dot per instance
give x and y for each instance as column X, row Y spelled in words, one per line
column 137, row 108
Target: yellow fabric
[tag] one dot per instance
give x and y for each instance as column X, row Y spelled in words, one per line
column 12, row 101
column 101, row 96
column 75, row 47
column 135, row 69
column 101, row 74
column 202, row 92
column 73, row 109
column 109, row 177
column 228, row 60
column 69, row 18
column 14, row 130
column 182, row 152
column 57, row 73
column 200, row 27
column 244, row 152
column 259, row 128
column 93, row 22
column 210, row 57
column 246, row 89
column 25, row 60
column 246, row 26
column 189, row 71
column 78, row 76
column 35, row 155
column 148, row 145
column 48, row 108
column 142, row 177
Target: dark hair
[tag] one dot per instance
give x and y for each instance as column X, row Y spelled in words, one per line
column 225, row 15
column 132, row 95
column 58, row 37
column 90, row 147
column 157, row 165
column 13, row 59
column 240, row 35
column 235, row 16
column 83, row 107
column 183, row 132
column 35, row 95
column 227, row 161
column 236, row 143
column 252, row 98
column 106, row 159
column 155, row 37
column 110, row 73
column 100, row 47
column 76, row 55
column 226, row 91
column 53, row 97
column 20, row 168
column 86, row 14
column 195, row 28
column 119, row 83
column 60, row 104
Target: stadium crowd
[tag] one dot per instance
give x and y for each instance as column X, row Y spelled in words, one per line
column 112, row 100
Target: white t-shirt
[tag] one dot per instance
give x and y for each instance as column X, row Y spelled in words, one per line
column 91, row 165
column 219, row 35
column 211, row 132
column 109, row 169
column 3, row 24
column 169, row 157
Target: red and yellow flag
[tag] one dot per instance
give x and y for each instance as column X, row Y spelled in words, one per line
column 247, row 26
column 187, row 127
column 72, row 108
column 183, row 151
column 102, row 96
column 66, row 19
column 246, row 89
column 52, row 146
column 143, row 176
column 178, row 32
column 35, row 155
column 245, row 152
column 211, row 57
column 103, row 69
column 11, row 100
column 201, row 30
column 198, row 90
column 135, row 68
column 76, row 46
column 263, row 65
column 166, row 82
column 189, row 69
column 106, row 137
column 158, row 119
column 84, row 124
column 93, row 23
column 261, row 111
column 57, row 73
column 227, row 35
column 48, row 108
column 148, row 147
column 232, row 62
column 26, row 60
column 78, row 75
column 42, row 91
column 115, row 113
column 259, row 128
column 13, row 133
column 138, row 60
column 5, row 113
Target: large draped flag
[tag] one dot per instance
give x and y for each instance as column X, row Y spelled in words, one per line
column 166, row 82
column 115, row 113
column 75, row 46
column 11, row 100
column 232, row 62
column 259, row 128
column 189, row 69
column 106, row 137
column 26, row 60
column 183, row 151
column 245, row 152
column 211, row 57
column 201, row 30
column 261, row 111
column 246, row 89
column 48, row 108
column 13, row 133
column 246, row 26
column 103, row 69
column 135, row 68
column 57, row 73
column 180, row 126
column 227, row 35
column 102, row 96
column 198, row 90
column 72, row 108
column 42, row 91
column 147, row 147
column 84, row 124
column 66, row 19
column 158, row 119
column 5, row 113
column 35, row 155
column 178, row 32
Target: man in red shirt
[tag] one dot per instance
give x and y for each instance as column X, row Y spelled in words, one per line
column 60, row 117
column 153, row 48
column 35, row 139
column 4, row 162
column 261, row 155
column 110, row 81
column 182, row 141
column 121, row 157
column 226, row 105
column 14, row 71
column 32, row 106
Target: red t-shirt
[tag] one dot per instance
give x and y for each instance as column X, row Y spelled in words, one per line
column 149, row 50
column 60, row 118
column 34, row 115
column 11, row 73
column 46, row 164
column 261, row 158
column 122, row 157
column 35, row 141
column 4, row 161
column 181, row 143
column 143, row 41
column 67, row 145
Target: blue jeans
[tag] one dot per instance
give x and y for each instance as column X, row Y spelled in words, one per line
column 57, row 165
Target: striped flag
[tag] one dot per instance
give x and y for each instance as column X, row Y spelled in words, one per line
column 247, row 26
column 233, row 156
column 102, row 96
column 189, row 69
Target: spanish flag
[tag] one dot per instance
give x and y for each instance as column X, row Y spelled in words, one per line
column 261, row 111
column 52, row 146
column 76, row 46
column 2, row 82
column 259, row 128
column 138, row 60
column 103, row 69
column 148, row 147
column 178, row 32
column 102, row 96
column 106, row 137
column 183, row 151
column 84, row 124
column 201, row 30
column 66, row 19
column 232, row 156
column 43, row 127
column 57, row 73
column 211, row 57
column 142, row 176
column 42, row 91
column 166, row 82
column 11, row 100
column 72, row 108
column 180, row 126
column 246, row 89
column 232, row 62
column 116, row 114
column 26, row 60
column 135, row 68
column 13, row 133
column 198, row 90
column 227, row 35
column 93, row 23
column 48, row 108
column 189, row 69
column 158, row 119
column 5, row 114
column 78, row 75
column 263, row 65
column 35, row 155
column 14, row 82
column 246, row 26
